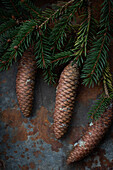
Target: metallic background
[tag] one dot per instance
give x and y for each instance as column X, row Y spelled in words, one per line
column 29, row 143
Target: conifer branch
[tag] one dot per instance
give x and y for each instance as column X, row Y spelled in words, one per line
column 100, row 51
column 105, row 88
column 56, row 13
column 49, row 76
column 10, row 7
column 7, row 25
column 20, row 43
column 105, row 99
column 43, row 49
column 80, row 49
column 98, row 54
column 100, row 105
column 31, row 8
column 107, row 80
column 62, row 57
column 14, row 7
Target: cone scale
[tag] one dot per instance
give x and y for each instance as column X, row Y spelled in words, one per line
column 65, row 98
column 25, row 82
column 92, row 137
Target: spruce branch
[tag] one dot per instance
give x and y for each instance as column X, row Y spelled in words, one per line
column 11, row 6
column 43, row 49
column 106, row 97
column 62, row 57
column 100, row 105
column 59, row 35
column 20, row 43
column 80, row 48
column 105, row 88
column 3, row 15
column 51, row 14
column 30, row 7
column 14, row 7
column 7, row 26
column 98, row 54
column 107, row 80
column 49, row 76
column 6, row 39
column 26, row 30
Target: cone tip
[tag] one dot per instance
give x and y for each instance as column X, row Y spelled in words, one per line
column 57, row 135
column 68, row 161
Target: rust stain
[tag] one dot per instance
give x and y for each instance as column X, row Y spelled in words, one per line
column 4, row 153
column 12, row 117
column 25, row 120
column 26, row 149
column 101, row 159
column 3, row 81
column 22, row 156
column 20, row 134
column 5, row 138
column 85, row 94
column 41, row 148
column 13, row 101
column 37, row 153
column 11, row 157
column 6, row 157
column 25, row 167
column 34, row 145
column 29, row 126
column 8, row 146
column 32, row 165
column 35, row 130
column 44, row 129
column 15, row 151
column 19, row 166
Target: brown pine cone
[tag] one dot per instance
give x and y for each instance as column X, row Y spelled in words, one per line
column 25, row 82
column 65, row 98
column 92, row 136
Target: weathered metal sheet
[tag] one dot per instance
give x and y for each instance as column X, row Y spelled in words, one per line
column 29, row 143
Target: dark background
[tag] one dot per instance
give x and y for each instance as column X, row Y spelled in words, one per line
column 29, row 143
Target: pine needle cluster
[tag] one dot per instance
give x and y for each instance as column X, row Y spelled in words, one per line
column 57, row 38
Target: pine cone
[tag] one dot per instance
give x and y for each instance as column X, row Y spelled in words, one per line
column 65, row 98
column 92, row 137
column 25, row 82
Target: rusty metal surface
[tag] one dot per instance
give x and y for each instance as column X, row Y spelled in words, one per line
column 29, row 143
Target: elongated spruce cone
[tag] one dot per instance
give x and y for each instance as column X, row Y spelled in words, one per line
column 25, row 82
column 92, row 136
column 65, row 98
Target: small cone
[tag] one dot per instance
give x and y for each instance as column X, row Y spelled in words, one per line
column 92, row 137
column 65, row 98
column 25, row 82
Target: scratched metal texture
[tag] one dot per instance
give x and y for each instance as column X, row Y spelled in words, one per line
column 29, row 143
